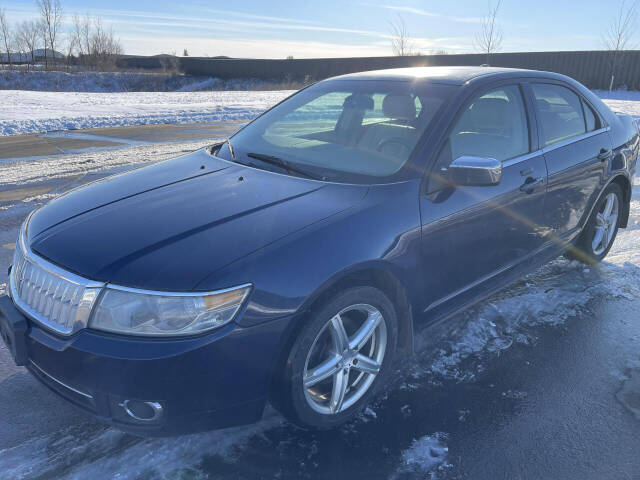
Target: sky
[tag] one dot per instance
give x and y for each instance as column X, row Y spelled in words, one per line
column 333, row 28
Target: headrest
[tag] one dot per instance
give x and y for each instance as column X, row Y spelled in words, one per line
column 489, row 113
column 359, row 102
column 399, row 107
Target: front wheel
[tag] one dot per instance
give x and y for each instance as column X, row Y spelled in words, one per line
column 601, row 229
column 339, row 360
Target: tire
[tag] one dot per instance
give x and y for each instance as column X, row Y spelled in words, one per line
column 317, row 405
column 588, row 249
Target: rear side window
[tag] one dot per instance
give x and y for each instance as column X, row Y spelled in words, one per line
column 560, row 113
column 494, row 125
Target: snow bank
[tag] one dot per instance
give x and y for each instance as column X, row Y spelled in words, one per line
column 33, row 112
column 111, row 82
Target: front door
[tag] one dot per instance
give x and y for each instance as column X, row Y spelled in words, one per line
column 472, row 234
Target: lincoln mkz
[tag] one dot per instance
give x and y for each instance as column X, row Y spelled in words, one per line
column 292, row 263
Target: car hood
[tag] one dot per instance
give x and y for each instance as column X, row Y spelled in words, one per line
column 168, row 226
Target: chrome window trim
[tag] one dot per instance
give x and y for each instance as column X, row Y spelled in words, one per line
column 550, row 148
column 54, row 379
column 516, row 160
column 571, row 140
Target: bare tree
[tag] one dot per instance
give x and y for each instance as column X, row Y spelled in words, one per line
column 620, row 33
column 104, row 47
column 489, row 39
column 28, row 33
column 7, row 38
column 51, row 17
column 400, row 43
column 82, row 35
column 71, row 44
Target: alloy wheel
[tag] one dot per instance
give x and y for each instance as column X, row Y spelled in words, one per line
column 606, row 223
column 344, row 359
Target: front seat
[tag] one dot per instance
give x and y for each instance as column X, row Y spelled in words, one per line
column 485, row 129
column 394, row 137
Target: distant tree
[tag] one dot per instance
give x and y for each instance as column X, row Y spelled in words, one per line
column 5, row 31
column 400, row 43
column 620, row 33
column 51, row 17
column 289, row 57
column 82, row 35
column 28, row 32
column 441, row 51
column 71, row 45
column 185, row 53
column 104, row 47
column 489, row 39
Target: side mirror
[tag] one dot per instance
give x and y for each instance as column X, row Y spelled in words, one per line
column 475, row 171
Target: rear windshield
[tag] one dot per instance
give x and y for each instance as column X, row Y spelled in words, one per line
column 350, row 130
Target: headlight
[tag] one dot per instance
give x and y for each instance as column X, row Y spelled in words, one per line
column 140, row 312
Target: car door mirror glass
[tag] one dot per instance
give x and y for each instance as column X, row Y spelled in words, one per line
column 475, row 171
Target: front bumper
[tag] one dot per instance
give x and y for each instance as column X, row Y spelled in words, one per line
column 211, row 381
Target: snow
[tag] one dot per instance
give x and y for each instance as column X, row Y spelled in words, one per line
column 621, row 101
column 426, row 455
column 101, row 452
column 33, row 112
column 74, row 166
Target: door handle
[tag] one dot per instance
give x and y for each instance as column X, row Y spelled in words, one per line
column 530, row 184
column 604, row 154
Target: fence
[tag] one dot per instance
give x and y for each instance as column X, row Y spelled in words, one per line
column 593, row 68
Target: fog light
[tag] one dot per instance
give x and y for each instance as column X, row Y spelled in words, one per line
column 142, row 411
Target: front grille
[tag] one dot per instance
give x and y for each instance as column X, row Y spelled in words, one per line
column 59, row 300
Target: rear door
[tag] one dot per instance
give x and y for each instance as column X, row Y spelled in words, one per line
column 471, row 234
column 576, row 146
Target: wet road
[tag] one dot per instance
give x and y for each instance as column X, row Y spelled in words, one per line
column 541, row 381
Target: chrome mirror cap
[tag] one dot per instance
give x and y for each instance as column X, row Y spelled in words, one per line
column 475, row 171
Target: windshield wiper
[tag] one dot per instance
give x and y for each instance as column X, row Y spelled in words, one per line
column 279, row 162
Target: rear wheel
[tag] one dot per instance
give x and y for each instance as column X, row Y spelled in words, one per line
column 601, row 229
column 339, row 359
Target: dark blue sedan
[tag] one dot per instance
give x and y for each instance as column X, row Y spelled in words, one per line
column 292, row 263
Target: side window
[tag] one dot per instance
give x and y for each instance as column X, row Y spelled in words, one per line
column 494, row 125
column 560, row 113
column 591, row 119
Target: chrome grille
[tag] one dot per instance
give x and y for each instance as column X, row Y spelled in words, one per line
column 59, row 300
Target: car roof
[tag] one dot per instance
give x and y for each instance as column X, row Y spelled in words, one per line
column 448, row 75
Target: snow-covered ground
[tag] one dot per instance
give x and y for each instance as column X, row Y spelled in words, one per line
column 32, row 112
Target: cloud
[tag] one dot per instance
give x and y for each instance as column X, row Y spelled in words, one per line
column 425, row 13
column 141, row 19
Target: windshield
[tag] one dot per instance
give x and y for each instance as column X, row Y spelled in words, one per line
column 349, row 130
